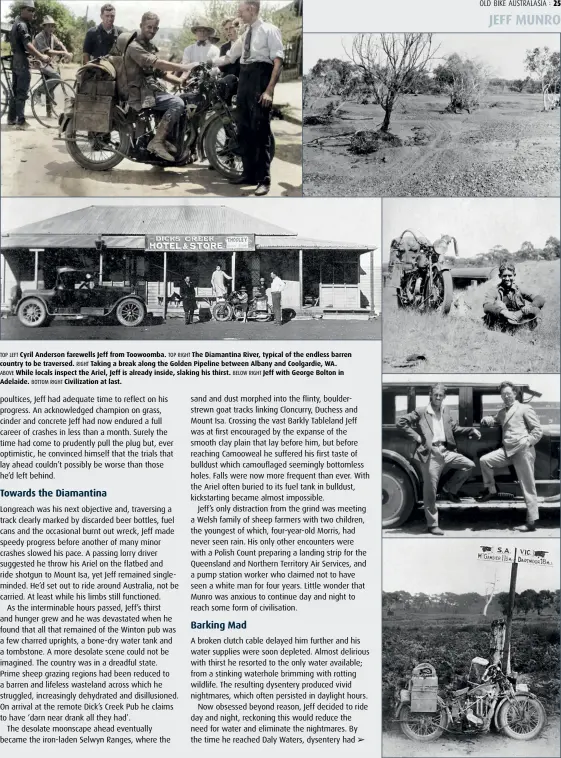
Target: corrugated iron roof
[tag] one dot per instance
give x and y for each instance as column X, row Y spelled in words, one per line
column 76, row 241
column 156, row 219
column 303, row 243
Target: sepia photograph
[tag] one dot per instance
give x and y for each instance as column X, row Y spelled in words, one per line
column 174, row 98
column 434, row 115
column 136, row 270
column 470, row 649
column 471, row 285
column 470, row 455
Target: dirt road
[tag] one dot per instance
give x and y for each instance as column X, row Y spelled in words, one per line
column 507, row 148
column 36, row 163
column 493, row 745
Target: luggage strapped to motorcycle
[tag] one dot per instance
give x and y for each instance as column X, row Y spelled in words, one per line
column 423, row 687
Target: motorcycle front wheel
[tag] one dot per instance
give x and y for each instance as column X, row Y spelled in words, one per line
column 439, row 294
column 97, row 152
column 221, row 147
column 522, row 718
column 222, row 312
column 422, row 727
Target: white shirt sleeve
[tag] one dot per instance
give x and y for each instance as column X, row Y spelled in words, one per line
column 235, row 51
column 213, row 53
column 274, row 39
column 186, row 56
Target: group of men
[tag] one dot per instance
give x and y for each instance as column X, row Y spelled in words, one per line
column 188, row 294
column 434, row 431
column 253, row 52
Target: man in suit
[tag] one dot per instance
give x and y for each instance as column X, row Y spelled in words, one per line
column 521, row 431
column 188, row 295
column 434, row 431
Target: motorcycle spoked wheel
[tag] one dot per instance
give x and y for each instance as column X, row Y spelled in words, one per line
column 422, row 727
column 222, row 312
column 95, row 151
column 439, row 294
column 522, row 718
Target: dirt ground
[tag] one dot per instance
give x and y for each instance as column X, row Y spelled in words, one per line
column 36, row 163
column 479, row 522
column 507, row 148
column 175, row 329
column 396, row 745
column 459, row 342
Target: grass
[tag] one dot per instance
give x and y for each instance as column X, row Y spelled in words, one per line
column 460, row 342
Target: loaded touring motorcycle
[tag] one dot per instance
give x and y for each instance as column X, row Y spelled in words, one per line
column 100, row 130
column 489, row 698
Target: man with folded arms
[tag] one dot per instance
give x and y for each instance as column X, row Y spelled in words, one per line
column 434, row 430
column 521, row 431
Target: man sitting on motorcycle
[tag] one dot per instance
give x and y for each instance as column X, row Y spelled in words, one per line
column 510, row 304
column 143, row 69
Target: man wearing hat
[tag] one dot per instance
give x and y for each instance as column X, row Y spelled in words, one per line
column 99, row 40
column 510, row 304
column 261, row 54
column 202, row 50
column 22, row 48
column 47, row 43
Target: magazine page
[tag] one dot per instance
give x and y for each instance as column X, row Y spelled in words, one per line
column 279, row 378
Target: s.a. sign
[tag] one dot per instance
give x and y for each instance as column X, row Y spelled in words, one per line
column 510, row 554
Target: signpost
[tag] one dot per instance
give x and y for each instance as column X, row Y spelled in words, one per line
column 515, row 556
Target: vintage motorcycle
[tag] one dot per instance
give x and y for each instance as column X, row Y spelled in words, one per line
column 100, row 133
column 490, row 698
column 232, row 309
column 425, row 280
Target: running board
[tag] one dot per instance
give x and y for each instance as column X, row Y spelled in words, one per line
column 471, row 502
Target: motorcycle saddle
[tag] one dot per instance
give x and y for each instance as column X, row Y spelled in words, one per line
column 459, row 693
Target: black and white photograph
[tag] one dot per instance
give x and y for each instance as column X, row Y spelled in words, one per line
column 470, row 649
column 172, row 98
column 470, row 456
column 431, row 115
column 471, row 285
column 136, row 270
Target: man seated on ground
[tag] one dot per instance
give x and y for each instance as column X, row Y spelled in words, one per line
column 144, row 68
column 510, row 304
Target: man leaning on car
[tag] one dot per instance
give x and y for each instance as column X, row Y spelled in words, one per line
column 521, row 430
column 434, row 430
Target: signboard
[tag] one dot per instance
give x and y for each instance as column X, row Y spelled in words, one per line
column 199, row 243
column 508, row 553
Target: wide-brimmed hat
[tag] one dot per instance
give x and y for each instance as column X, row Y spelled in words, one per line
column 202, row 25
column 214, row 40
column 26, row 4
column 48, row 20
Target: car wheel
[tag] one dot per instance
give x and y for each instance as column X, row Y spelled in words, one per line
column 33, row 313
column 398, row 495
column 130, row 312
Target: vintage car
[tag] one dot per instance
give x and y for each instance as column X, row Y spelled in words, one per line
column 402, row 477
column 77, row 295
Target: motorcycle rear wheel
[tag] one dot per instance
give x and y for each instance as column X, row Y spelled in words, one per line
column 222, row 312
column 88, row 150
column 441, row 294
column 422, row 727
column 522, row 719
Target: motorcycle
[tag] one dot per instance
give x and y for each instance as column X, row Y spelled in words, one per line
column 232, row 308
column 206, row 130
column 425, row 280
column 490, row 698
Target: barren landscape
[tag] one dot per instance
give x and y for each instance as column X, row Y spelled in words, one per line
column 509, row 147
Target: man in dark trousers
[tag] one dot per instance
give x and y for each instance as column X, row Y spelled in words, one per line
column 188, row 294
column 22, row 48
column 231, row 33
column 261, row 54
column 100, row 39
column 435, row 431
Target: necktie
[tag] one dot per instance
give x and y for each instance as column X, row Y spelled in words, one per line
column 247, row 44
column 201, row 43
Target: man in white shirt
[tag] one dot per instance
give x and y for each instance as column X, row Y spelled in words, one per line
column 202, row 51
column 434, row 430
column 261, row 54
column 277, row 286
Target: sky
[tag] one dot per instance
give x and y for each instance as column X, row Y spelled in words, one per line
column 503, row 53
column 172, row 12
column 477, row 224
column 547, row 384
column 339, row 220
column 452, row 566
